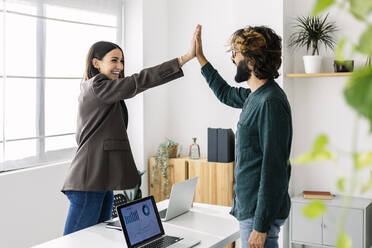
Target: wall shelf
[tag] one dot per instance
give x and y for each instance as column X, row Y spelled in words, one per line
column 331, row 74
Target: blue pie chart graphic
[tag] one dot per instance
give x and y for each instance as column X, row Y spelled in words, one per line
column 146, row 210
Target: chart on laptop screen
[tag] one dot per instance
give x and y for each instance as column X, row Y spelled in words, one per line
column 140, row 221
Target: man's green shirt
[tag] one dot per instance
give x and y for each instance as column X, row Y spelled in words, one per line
column 262, row 148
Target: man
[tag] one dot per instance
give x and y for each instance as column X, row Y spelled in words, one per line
column 264, row 133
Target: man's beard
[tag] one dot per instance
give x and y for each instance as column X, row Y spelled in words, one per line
column 243, row 73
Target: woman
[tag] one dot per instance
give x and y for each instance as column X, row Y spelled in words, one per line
column 104, row 161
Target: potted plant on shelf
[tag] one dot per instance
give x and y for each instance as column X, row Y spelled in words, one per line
column 166, row 150
column 312, row 31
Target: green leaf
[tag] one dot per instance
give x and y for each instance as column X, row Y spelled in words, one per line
column 358, row 92
column 303, row 159
column 320, row 143
column 340, row 48
column 314, row 209
column 313, row 157
column 354, row 48
column 343, row 241
column 363, row 160
column 341, row 184
column 360, row 8
column 322, row 5
column 368, row 185
column 365, row 42
column 319, row 152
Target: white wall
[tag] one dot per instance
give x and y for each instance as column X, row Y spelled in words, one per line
column 146, row 45
column 156, row 124
column 318, row 106
column 192, row 105
column 134, row 58
column 32, row 207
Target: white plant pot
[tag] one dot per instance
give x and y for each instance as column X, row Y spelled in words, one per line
column 313, row 64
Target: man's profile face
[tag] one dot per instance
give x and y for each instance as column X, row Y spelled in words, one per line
column 243, row 73
column 244, row 69
column 236, row 57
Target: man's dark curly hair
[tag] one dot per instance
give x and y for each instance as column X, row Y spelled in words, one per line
column 260, row 46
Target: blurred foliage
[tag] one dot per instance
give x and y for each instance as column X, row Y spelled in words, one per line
column 343, row 241
column 314, row 210
column 319, row 152
column 358, row 95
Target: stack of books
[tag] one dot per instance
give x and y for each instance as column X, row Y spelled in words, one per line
column 320, row 195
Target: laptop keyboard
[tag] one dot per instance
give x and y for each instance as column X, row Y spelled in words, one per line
column 119, row 199
column 164, row 241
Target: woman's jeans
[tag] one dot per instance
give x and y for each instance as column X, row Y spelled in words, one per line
column 87, row 208
column 246, row 227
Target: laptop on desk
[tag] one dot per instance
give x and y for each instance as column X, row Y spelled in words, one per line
column 180, row 200
column 143, row 228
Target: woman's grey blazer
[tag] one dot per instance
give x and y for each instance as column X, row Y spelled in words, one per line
column 104, row 160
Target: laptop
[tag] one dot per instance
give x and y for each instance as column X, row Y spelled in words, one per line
column 180, row 200
column 143, row 228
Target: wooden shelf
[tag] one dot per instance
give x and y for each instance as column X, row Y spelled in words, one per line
column 331, row 74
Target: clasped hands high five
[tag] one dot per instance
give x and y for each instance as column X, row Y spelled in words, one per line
column 195, row 50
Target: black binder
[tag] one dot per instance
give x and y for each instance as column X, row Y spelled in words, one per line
column 221, row 145
column 212, row 145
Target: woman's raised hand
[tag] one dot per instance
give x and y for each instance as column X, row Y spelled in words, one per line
column 195, row 50
column 191, row 52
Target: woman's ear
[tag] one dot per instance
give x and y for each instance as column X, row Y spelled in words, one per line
column 95, row 63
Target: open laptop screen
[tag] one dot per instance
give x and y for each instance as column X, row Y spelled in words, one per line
column 140, row 220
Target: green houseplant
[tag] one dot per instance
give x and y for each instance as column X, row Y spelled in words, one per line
column 358, row 95
column 166, row 150
column 311, row 32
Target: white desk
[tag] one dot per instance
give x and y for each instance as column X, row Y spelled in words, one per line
column 212, row 224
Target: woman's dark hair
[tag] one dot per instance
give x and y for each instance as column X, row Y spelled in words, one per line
column 262, row 47
column 98, row 50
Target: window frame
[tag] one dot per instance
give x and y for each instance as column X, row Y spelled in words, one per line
column 42, row 157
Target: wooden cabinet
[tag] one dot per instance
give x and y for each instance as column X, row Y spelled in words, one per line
column 178, row 173
column 323, row 232
column 215, row 184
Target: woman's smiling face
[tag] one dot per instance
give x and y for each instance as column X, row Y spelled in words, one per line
column 111, row 65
